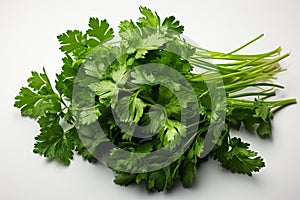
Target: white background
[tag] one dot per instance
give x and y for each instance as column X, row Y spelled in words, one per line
column 28, row 42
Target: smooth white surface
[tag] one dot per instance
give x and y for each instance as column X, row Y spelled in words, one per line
column 28, row 42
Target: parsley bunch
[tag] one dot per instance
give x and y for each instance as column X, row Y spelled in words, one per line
column 149, row 104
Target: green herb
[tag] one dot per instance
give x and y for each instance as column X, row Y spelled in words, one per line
column 124, row 85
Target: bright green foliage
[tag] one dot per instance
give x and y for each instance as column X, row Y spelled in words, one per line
column 53, row 142
column 129, row 100
column 74, row 42
column 236, row 157
column 125, row 179
column 149, row 18
column 99, row 32
column 170, row 23
column 39, row 98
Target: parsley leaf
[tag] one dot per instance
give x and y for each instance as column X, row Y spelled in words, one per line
column 149, row 18
column 188, row 172
column 157, row 180
column 170, row 23
column 39, row 98
column 99, row 32
column 53, row 142
column 74, row 42
column 237, row 157
column 65, row 80
column 125, row 179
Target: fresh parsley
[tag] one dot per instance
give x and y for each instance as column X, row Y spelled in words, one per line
column 129, row 101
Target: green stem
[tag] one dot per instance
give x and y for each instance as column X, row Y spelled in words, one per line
column 246, row 94
column 236, row 57
column 247, row 44
column 270, row 104
column 282, row 103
